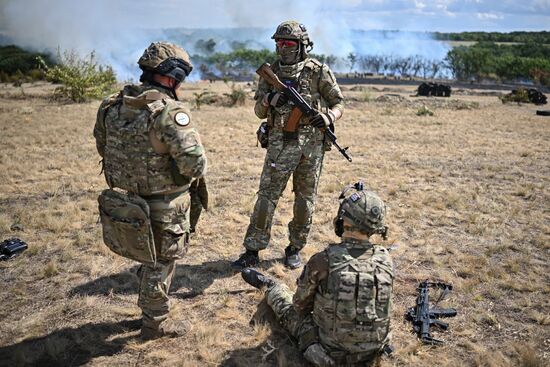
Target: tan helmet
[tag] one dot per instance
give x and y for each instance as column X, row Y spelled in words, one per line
column 363, row 209
column 293, row 30
column 166, row 59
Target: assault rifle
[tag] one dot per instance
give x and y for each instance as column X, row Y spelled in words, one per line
column 11, row 248
column 302, row 107
column 422, row 316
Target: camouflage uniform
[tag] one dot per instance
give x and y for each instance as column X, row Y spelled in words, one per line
column 300, row 156
column 151, row 149
column 340, row 312
column 348, row 334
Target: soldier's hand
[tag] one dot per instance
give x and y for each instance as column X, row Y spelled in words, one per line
column 276, row 99
column 321, row 120
column 199, row 190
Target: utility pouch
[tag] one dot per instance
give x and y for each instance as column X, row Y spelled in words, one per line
column 263, row 134
column 11, row 247
column 127, row 227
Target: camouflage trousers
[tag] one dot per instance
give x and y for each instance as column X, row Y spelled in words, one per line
column 282, row 160
column 303, row 328
column 279, row 298
column 170, row 222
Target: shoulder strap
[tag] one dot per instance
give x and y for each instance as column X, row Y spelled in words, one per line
column 108, row 103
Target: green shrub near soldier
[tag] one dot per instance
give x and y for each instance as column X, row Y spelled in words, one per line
column 298, row 152
column 340, row 312
column 152, row 156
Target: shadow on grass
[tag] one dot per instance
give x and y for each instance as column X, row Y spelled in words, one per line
column 189, row 280
column 69, row 346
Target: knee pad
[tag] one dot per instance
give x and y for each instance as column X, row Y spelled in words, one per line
column 302, row 212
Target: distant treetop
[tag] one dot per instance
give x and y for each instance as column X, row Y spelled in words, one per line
column 542, row 37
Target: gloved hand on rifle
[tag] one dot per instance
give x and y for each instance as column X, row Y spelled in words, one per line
column 275, row 99
column 199, row 200
column 322, row 120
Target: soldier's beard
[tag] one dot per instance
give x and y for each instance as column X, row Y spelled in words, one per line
column 289, row 55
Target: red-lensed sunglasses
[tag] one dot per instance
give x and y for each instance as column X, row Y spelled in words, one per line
column 286, row 43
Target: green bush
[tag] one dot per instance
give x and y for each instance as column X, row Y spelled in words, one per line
column 36, row 74
column 237, row 96
column 424, row 111
column 81, row 78
column 18, row 78
column 201, row 98
column 520, row 96
column 4, row 77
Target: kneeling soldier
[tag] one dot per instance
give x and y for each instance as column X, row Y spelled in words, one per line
column 340, row 311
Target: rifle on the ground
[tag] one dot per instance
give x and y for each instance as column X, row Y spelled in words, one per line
column 11, row 247
column 422, row 316
column 302, row 107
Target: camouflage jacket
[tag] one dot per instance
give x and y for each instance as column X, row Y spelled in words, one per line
column 317, row 85
column 148, row 142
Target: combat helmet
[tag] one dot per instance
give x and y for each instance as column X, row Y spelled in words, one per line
column 293, row 30
column 363, row 209
column 166, row 59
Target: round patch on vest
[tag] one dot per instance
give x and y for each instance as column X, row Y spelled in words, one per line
column 182, row 119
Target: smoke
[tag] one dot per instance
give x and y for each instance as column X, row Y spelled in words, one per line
column 118, row 31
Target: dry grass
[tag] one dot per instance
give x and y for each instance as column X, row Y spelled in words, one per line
column 467, row 191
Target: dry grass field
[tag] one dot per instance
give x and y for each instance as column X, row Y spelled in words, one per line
column 468, row 198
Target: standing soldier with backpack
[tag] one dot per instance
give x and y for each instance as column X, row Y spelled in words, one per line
column 152, row 154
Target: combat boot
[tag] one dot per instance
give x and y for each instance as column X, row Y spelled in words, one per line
column 318, row 356
column 292, row 257
column 256, row 279
column 248, row 259
column 153, row 329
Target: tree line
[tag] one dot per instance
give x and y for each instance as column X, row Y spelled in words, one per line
column 482, row 60
column 542, row 37
column 487, row 60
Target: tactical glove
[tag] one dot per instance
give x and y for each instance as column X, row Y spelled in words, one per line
column 199, row 200
column 322, row 120
column 276, row 99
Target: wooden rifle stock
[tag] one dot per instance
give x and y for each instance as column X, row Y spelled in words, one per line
column 296, row 114
column 301, row 107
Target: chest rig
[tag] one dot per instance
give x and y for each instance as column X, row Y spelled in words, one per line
column 304, row 77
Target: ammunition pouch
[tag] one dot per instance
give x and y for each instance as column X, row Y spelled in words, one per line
column 127, row 227
column 12, row 247
column 263, row 134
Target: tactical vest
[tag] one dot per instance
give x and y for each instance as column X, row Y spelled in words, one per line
column 305, row 78
column 352, row 310
column 130, row 162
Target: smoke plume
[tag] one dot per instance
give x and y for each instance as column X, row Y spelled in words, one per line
column 118, row 31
